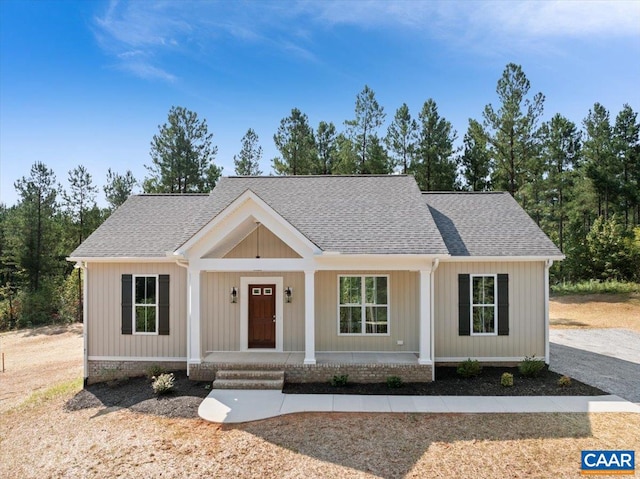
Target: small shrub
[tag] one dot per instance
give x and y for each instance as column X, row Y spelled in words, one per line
column 506, row 380
column 154, row 371
column 469, row 368
column 394, row 382
column 339, row 380
column 531, row 367
column 163, row 383
column 564, row 381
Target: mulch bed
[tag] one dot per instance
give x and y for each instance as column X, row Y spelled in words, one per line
column 449, row 383
column 137, row 395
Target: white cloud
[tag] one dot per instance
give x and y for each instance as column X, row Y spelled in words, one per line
column 138, row 33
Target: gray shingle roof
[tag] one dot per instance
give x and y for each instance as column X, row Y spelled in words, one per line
column 487, row 224
column 347, row 214
column 144, row 226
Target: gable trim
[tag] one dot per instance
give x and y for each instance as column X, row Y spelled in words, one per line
column 246, row 205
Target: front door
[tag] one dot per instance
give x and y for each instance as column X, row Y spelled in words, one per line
column 262, row 316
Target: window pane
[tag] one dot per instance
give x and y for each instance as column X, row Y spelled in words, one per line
column 151, row 290
column 376, row 289
column 140, row 290
column 483, row 319
column 350, row 319
column 381, row 290
column 145, row 319
column 376, row 319
column 477, row 290
column 370, row 289
column 488, row 290
column 350, row 290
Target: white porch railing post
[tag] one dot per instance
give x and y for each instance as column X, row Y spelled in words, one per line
column 193, row 316
column 425, row 317
column 309, row 318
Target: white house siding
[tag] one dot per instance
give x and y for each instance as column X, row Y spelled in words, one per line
column 403, row 314
column 104, row 294
column 526, row 312
column 270, row 246
column 220, row 319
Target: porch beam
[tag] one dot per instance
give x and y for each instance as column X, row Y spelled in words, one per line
column 425, row 317
column 193, row 317
column 309, row 318
column 251, row 264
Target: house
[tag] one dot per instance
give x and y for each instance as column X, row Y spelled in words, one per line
column 316, row 276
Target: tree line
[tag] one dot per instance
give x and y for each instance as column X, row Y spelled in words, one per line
column 580, row 183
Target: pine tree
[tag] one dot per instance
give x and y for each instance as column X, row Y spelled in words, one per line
column 626, row 144
column 247, row 162
column 118, row 188
column 475, row 160
column 182, row 156
column 601, row 165
column 327, row 148
column 402, row 137
column 435, row 165
column 369, row 116
column 296, row 143
column 511, row 130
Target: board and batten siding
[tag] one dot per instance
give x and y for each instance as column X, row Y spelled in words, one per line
column 403, row 314
column 220, row 318
column 526, row 312
column 268, row 246
column 104, row 316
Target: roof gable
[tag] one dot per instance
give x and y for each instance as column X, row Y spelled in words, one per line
column 342, row 214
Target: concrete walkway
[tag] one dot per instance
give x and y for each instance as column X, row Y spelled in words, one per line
column 235, row 406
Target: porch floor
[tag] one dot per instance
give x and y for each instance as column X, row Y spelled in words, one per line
column 249, row 357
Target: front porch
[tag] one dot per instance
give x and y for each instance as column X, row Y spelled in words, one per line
column 360, row 367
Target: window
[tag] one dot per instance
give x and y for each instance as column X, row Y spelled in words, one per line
column 483, row 304
column 363, row 305
column 145, row 304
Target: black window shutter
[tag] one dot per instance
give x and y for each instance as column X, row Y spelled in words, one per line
column 163, row 304
column 464, row 305
column 503, row 305
column 127, row 303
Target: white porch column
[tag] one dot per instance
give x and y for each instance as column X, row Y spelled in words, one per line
column 425, row 317
column 193, row 317
column 309, row 317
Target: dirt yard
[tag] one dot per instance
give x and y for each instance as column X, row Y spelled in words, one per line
column 595, row 311
column 36, row 359
column 40, row 437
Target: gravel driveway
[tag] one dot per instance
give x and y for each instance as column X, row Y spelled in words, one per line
column 606, row 358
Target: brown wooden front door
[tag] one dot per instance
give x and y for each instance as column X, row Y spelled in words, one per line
column 262, row 315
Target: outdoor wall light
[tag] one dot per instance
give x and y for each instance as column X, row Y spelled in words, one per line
column 234, row 295
column 288, row 294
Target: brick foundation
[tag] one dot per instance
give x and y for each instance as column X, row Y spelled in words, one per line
column 102, row 371
column 307, row 373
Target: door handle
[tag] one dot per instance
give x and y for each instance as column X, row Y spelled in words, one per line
column 274, row 318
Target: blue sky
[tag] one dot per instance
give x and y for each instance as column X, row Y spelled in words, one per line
column 88, row 82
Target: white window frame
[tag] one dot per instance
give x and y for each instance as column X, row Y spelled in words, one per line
column 135, row 305
column 495, row 303
column 363, row 305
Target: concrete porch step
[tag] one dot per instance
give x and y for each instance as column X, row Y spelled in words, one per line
column 248, row 384
column 248, row 379
column 249, row 374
